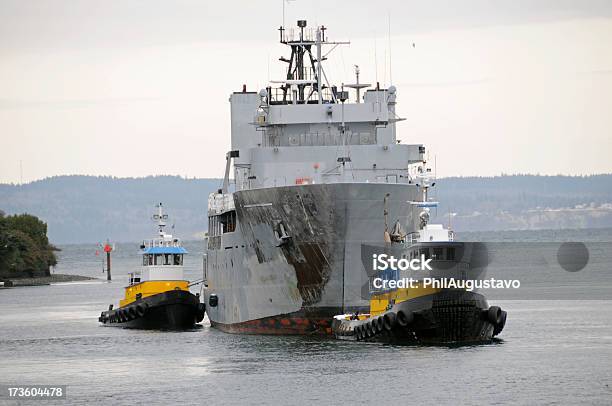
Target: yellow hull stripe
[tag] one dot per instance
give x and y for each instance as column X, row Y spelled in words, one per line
column 379, row 302
column 150, row 288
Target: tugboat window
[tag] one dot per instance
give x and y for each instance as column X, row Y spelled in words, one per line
column 145, row 260
column 167, row 259
column 425, row 252
column 437, row 253
column 450, row 253
column 158, row 259
column 178, row 259
column 150, row 259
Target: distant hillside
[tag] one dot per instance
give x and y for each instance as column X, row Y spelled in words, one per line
column 520, row 202
column 90, row 209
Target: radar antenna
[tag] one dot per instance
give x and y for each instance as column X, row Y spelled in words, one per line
column 358, row 86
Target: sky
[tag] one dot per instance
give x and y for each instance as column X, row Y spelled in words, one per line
column 135, row 88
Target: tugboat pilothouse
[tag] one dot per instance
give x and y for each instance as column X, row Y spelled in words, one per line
column 157, row 296
column 318, row 172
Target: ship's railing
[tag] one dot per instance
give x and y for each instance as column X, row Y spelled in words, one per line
column 158, row 242
column 292, row 34
column 319, row 139
column 277, row 95
column 333, row 175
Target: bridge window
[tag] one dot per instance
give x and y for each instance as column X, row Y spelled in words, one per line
column 450, row 253
column 221, row 224
column 178, row 259
column 228, row 221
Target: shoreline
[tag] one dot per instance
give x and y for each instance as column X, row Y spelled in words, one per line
column 45, row 280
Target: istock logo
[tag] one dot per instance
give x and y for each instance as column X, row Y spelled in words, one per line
column 382, row 262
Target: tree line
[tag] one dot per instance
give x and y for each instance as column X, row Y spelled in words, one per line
column 24, row 247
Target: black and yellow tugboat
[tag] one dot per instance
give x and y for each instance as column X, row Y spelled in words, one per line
column 424, row 309
column 437, row 303
column 158, row 295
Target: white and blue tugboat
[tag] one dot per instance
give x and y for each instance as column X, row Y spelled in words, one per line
column 157, row 296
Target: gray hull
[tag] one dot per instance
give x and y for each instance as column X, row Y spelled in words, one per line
column 294, row 260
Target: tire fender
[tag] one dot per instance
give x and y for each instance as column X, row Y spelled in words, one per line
column 404, row 318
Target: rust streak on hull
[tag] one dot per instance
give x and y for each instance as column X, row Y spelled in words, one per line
column 285, row 324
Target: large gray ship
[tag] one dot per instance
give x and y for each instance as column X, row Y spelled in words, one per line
column 319, row 174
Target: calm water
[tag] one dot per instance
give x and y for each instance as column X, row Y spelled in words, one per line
column 551, row 352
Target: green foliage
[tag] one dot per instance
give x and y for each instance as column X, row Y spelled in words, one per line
column 30, row 225
column 24, row 246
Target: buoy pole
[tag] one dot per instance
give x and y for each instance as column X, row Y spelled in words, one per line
column 108, row 249
column 108, row 266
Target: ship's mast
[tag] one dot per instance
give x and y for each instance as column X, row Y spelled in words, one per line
column 160, row 217
column 305, row 71
column 425, row 180
column 319, row 39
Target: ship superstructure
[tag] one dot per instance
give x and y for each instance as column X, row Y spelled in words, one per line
column 318, row 173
